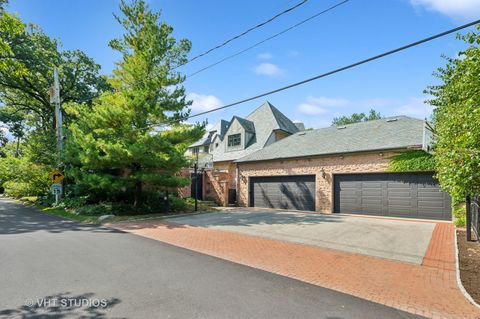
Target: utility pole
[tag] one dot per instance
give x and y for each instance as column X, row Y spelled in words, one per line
column 55, row 99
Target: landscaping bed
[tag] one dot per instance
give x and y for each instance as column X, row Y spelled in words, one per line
column 94, row 213
column 469, row 263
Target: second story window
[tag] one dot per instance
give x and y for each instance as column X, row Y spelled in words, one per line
column 234, row 140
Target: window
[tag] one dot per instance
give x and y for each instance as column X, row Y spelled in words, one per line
column 205, row 149
column 234, row 140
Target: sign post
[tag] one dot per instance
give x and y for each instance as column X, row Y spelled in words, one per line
column 57, row 191
column 56, row 177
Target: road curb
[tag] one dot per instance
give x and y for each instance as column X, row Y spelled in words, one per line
column 457, row 270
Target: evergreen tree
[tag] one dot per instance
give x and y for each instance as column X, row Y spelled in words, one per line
column 116, row 145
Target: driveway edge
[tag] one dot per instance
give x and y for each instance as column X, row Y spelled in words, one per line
column 457, row 270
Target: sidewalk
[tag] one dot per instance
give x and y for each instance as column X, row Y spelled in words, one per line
column 429, row 289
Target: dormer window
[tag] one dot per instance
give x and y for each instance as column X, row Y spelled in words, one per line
column 234, row 140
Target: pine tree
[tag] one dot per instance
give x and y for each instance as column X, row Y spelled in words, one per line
column 116, row 144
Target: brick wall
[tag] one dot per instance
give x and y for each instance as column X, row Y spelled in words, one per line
column 362, row 163
column 218, row 181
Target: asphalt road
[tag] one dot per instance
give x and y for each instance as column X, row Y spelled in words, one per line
column 54, row 268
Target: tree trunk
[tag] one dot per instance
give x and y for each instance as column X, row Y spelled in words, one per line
column 17, row 153
column 138, row 194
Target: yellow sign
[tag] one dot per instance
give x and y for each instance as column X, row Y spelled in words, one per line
column 56, row 176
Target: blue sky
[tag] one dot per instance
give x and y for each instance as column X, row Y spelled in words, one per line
column 356, row 30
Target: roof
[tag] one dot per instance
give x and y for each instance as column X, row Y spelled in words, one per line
column 397, row 132
column 247, row 125
column 265, row 119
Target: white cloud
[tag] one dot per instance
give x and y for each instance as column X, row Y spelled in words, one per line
column 415, row 107
column 320, row 105
column 311, row 109
column 265, row 56
column 269, row 69
column 327, row 101
column 459, row 9
column 202, row 102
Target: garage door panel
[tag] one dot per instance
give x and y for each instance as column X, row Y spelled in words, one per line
column 414, row 195
column 284, row 192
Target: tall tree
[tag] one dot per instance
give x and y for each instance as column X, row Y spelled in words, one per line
column 456, row 117
column 117, row 144
column 27, row 59
column 357, row 117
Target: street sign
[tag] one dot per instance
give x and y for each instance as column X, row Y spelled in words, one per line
column 56, row 176
column 56, row 189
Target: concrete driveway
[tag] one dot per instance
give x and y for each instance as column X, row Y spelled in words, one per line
column 399, row 240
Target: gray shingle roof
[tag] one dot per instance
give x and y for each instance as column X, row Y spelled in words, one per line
column 390, row 133
column 247, row 125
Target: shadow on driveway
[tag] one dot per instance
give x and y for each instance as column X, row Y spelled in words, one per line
column 17, row 219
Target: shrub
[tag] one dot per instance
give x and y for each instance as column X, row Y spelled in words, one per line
column 459, row 214
column 21, row 178
column 177, row 204
column 74, row 202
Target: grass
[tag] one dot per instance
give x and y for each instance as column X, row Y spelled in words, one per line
column 75, row 216
column 69, row 214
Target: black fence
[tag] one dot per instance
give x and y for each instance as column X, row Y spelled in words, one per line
column 473, row 220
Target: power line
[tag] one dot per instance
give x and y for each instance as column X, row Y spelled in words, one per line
column 245, row 32
column 350, row 66
column 267, row 39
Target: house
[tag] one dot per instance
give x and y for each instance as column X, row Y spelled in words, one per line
column 344, row 169
column 228, row 141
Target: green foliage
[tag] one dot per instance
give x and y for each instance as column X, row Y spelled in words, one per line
column 459, row 214
column 177, row 204
column 412, row 161
column 114, row 147
column 19, row 177
column 27, row 59
column 457, row 117
column 357, row 117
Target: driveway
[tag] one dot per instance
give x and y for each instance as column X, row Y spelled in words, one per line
column 405, row 241
column 54, row 268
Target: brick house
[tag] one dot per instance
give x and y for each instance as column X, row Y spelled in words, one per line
column 228, row 141
column 344, row 169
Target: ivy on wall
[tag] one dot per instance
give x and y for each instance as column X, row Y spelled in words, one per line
column 412, row 161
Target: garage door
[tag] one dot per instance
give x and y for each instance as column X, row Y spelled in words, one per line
column 284, row 192
column 413, row 195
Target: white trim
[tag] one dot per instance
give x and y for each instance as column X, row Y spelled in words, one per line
column 457, row 270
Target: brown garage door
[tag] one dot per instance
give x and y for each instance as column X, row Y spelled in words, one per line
column 413, row 195
column 284, row 192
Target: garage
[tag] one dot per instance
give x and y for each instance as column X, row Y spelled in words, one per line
column 412, row 195
column 283, row 192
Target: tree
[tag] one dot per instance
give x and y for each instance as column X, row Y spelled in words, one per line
column 27, row 59
column 14, row 122
column 456, row 117
column 117, row 146
column 357, row 117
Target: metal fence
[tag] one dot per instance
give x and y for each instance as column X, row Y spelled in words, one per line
column 473, row 220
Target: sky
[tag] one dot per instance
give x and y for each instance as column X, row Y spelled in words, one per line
column 351, row 32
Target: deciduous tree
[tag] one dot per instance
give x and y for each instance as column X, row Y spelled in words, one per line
column 457, row 120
